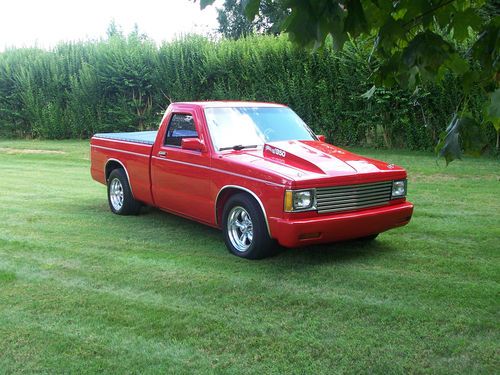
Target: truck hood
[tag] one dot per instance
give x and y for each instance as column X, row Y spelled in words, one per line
column 315, row 163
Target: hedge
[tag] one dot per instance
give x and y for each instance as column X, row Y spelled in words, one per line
column 125, row 83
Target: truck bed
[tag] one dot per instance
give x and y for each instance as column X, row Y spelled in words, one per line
column 132, row 150
column 147, row 137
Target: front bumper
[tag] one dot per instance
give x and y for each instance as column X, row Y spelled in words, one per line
column 340, row 226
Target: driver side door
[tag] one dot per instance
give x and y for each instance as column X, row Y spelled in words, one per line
column 181, row 177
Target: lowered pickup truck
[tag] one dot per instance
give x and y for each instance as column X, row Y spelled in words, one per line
column 254, row 170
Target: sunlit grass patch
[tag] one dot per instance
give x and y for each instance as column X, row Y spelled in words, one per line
column 8, row 150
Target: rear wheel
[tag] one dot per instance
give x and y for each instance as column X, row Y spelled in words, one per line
column 244, row 228
column 120, row 198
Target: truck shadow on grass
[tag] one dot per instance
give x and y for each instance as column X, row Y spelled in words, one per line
column 344, row 251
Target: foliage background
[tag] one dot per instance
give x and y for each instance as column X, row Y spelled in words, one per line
column 124, row 83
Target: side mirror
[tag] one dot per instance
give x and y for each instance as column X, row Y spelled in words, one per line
column 321, row 137
column 194, row 144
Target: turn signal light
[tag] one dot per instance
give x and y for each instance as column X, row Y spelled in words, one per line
column 288, row 201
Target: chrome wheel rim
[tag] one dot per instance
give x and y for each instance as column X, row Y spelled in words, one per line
column 240, row 229
column 116, row 194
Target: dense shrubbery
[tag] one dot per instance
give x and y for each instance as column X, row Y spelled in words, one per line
column 125, row 84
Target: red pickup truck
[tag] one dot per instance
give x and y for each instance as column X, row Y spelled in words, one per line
column 256, row 171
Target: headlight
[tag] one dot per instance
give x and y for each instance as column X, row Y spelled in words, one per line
column 398, row 188
column 299, row 200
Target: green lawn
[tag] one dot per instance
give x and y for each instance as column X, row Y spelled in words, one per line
column 85, row 291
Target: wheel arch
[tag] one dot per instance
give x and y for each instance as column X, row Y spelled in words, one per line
column 111, row 165
column 228, row 191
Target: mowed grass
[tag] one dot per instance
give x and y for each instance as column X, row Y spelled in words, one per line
column 85, row 291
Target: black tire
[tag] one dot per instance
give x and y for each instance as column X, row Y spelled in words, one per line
column 369, row 238
column 129, row 206
column 261, row 245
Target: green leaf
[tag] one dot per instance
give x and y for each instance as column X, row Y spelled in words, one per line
column 492, row 110
column 355, row 22
column 205, row 3
column 390, row 33
column 251, row 8
column 386, row 6
column 462, row 21
column 443, row 16
column 334, row 24
column 449, row 142
column 338, row 37
column 400, row 14
column 375, row 14
column 463, row 132
column 414, row 8
column 389, row 72
column 469, row 80
column 457, row 64
column 486, row 48
column 300, row 29
column 427, row 52
column 494, row 104
column 496, row 123
column 369, row 93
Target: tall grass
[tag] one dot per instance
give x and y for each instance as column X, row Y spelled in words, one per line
column 125, row 83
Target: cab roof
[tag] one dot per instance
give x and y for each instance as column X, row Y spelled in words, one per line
column 225, row 104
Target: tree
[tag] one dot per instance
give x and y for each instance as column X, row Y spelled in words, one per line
column 414, row 41
column 114, row 30
column 234, row 24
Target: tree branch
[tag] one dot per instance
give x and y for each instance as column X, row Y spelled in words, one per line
column 432, row 10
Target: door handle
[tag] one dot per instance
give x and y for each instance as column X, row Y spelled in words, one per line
column 162, row 153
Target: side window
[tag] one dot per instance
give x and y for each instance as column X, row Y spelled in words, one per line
column 181, row 126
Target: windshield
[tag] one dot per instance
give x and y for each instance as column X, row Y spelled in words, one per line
column 233, row 126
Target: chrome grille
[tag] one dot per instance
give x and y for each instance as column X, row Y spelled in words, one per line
column 353, row 197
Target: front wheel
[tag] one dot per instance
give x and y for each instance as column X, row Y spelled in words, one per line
column 120, row 198
column 244, row 228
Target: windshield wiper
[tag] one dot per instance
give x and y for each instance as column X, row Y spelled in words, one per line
column 237, row 147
